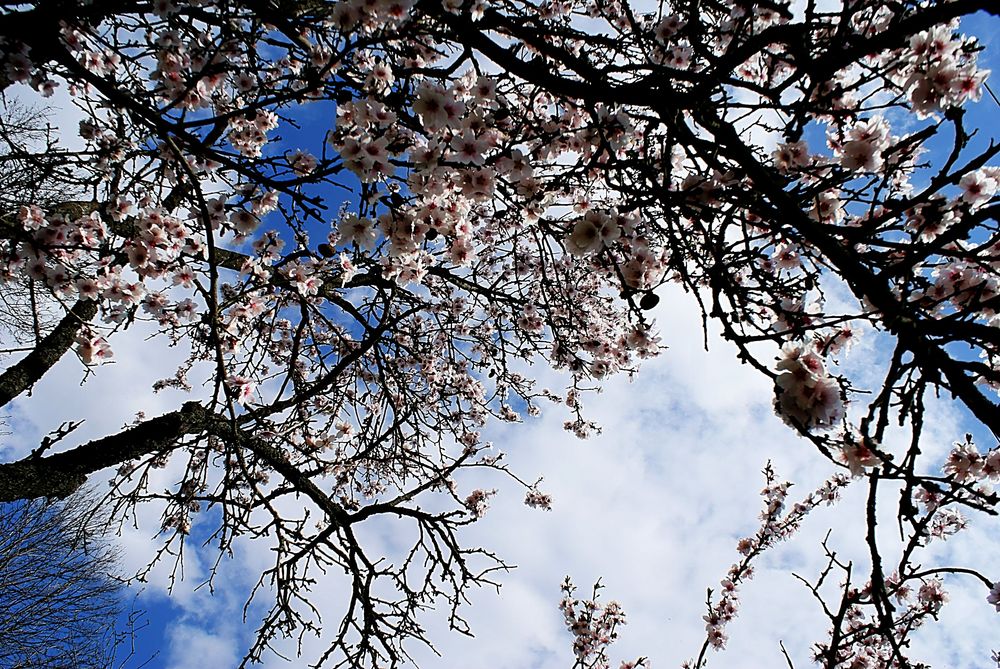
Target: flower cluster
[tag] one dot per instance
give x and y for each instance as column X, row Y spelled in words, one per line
column 862, row 643
column 965, row 464
column 939, row 71
column 858, row 453
column 861, row 149
column 93, row 349
column 777, row 524
column 538, row 500
column 994, row 596
column 478, row 502
column 806, row 394
column 594, row 627
column 593, row 232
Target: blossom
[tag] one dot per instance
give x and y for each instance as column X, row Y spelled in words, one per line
column 302, row 162
column 856, row 453
column 591, row 233
column 806, row 394
column 367, row 156
column 827, row 207
column 791, row 155
column 306, row 282
column 478, row 502
column 539, row 500
column 88, row 288
column 515, row 167
column 862, row 155
column 485, row 89
column 31, row 218
column 530, row 320
column 932, row 594
column 184, row 277
column 436, row 108
column 93, row 349
column 381, row 77
column 964, row 462
column 978, row 187
column 478, row 184
column 668, row 27
column 347, row 269
column 994, row 596
column 358, row 230
column 786, row 256
column 243, row 221
column 186, row 310
column 462, row 251
column 468, row 148
column 242, row 388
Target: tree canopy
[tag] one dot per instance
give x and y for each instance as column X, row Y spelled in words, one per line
column 365, row 218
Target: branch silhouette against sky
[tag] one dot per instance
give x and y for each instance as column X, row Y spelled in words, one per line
column 323, row 286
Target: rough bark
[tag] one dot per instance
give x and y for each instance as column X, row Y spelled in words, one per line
column 60, row 474
column 25, row 373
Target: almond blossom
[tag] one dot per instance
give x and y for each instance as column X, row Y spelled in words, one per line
column 361, row 223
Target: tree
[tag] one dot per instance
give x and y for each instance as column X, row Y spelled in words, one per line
column 32, row 174
column 58, row 586
column 515, row 181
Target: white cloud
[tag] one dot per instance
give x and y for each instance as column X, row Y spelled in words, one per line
column 212, row 648
column 654, row 506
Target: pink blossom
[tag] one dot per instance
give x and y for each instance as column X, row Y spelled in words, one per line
column 807, row 395
column 242, row 389
column 478, row 502
column 357, row 230
column 856, row 453
column 978, row 188
column 994, row 596
column 93, row 349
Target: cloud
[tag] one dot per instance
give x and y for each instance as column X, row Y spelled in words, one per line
column 211, row 647
column 654, row 506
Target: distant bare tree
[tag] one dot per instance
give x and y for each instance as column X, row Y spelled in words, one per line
column 59, row 596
